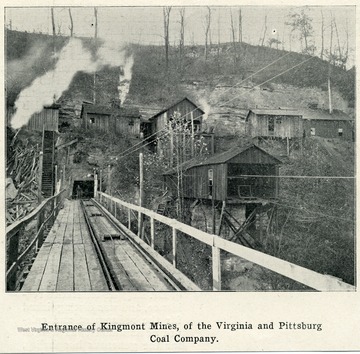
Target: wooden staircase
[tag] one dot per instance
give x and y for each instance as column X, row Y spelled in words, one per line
column 48, row 180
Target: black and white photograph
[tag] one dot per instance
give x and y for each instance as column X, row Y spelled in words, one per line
column 180, row 148
column 179, row 176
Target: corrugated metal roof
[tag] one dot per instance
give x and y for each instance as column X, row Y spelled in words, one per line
column 217, row 158
column 174, row 104
column 322, row 114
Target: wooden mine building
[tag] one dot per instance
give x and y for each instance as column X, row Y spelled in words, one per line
column 230, row 176
column 319, row 122
column 278, row 123
column 122, row 120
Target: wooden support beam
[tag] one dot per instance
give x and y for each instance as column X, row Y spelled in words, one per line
column 216, row 268
column 152, row 232
column 174, row 247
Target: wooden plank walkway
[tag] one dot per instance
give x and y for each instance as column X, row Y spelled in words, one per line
column 67, row 261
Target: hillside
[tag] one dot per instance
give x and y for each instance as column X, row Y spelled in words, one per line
column 315, row 215
column 30, row 55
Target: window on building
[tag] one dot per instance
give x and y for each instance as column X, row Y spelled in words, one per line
column 340, row 132
column 210, row 182
column 312, row 131
column 92, row 120
column 278, row 120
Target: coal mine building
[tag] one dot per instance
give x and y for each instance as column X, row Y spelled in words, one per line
column 47, row 119
column 322, row 123
column 246, row 173
column 122, row 120
column 277, row 123
column 186, row 109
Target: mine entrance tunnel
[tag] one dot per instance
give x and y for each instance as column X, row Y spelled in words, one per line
column 83, row 189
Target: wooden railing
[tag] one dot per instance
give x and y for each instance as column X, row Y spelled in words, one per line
column 297, row 273
column 45, row 215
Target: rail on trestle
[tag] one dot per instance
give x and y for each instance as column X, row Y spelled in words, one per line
column 310, row 278
column 44, row 216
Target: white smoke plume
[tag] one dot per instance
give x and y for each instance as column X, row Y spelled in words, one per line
column 205, row 107
column 125, row 78
column 45, row 89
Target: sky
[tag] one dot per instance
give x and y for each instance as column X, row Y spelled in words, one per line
column 145, row 24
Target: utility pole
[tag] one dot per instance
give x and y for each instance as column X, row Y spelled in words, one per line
column 141, row 193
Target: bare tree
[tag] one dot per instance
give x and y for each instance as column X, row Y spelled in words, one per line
column 166, row 13
column 302, row 23
column 71, row 27
column 96, row 23
column 207, row 30
column 53, row 22
column 218, row 47
column 95, row 42
column 322, row 35
column 265, row 29
column 240, row 36
column 233, row 37
column 182, row 34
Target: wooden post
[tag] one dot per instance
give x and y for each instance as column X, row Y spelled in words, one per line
column 174, row 247
column 171, row 146
column 152, row 232
column 12, row 257
column 41, row 155
column 40, row 221
column 129, row 218
column 115, row 207
column 192, row 134
column 100, row 178
column 95, row 184
column 56, row 179
column 216, row 268
column 109, row 179
column 141, row 194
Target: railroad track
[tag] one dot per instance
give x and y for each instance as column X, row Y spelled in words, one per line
column 126, row 265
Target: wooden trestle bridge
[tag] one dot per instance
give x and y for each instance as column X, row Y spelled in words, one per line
column 90, row 245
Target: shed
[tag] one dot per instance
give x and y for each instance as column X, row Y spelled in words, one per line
column 47, row 119
column 278, row 123
column 229, row 176
column 188, row 110
column 122, row 120
column 320, row 122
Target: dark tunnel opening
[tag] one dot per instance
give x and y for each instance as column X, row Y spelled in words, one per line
column 83, row 190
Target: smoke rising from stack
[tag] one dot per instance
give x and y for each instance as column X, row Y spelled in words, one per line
column 124, row 85
column 46, row 89
column 205, row 107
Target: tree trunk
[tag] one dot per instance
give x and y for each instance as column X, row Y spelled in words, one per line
column 166, row 12
column 207, row 29
column 53, row 22
column 182, row 36
column 265, row 29
column 322, row 36
column 71, row 24
column 95, row 42
column 240, row 38
column 233, row 39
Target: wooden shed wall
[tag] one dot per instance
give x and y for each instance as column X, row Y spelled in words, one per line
column 196, row 182
column 186, row 109
column 284, row 126
column 329, row 128
column 121, row 125
column 128, row 126
column 48, row 117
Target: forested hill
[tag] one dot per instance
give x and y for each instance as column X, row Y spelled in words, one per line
column 30, row 55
